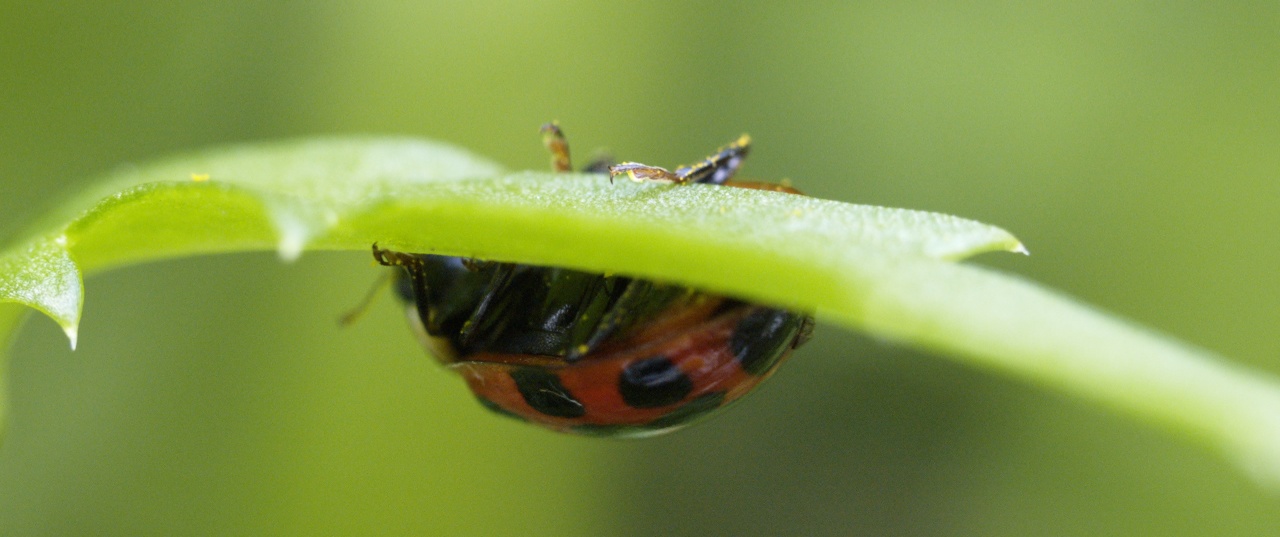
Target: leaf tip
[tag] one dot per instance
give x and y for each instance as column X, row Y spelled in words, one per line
column 295, row 228
column 42, row 275
column 73, row 334
column 294, row 236
column 1019, row 248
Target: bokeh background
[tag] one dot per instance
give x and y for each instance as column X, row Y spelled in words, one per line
column 1134, row 146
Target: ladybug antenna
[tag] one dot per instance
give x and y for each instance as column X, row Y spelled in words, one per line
column 354, row 314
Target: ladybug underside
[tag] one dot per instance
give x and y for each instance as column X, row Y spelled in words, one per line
column 590, row 353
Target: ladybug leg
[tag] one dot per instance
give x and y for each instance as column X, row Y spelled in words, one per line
column 553, row 139
column 715, row 169
column 488, row 311
column 412, row 266
column 621, row 307
column 475, row 265
column 718, row 168
column 417, row 273
column 643, row 172
column 638, row 299
column 389, row 258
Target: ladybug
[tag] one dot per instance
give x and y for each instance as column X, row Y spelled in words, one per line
column 596, row 354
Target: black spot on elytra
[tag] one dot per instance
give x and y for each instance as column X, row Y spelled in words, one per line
column 653, row 382
column 544, row 392
column 761, row 338
column 494, row 407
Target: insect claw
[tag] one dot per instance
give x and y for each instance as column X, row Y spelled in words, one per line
column 390, row 258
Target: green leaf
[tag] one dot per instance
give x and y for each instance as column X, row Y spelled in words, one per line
column 1016, row 327
column 41, row 274
column 884, row 271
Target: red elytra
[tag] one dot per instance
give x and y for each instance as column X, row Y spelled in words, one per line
column 590, row 393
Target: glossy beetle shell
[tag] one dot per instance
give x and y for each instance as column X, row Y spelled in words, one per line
column 590, row 353
column 692, row 356
column 647, row 389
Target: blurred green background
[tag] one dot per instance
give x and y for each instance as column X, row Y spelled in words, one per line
column 1134, row 146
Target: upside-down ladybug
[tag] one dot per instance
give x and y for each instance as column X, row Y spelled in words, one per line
column 591, row 353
